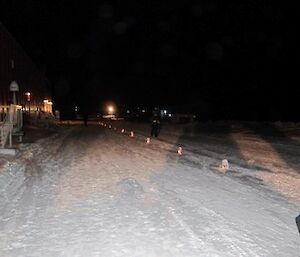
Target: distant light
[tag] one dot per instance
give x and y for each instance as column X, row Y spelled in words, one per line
column 128, row 111
column 170, row 115
column 110, row 109
column 47, row 102
column 165, row 111
column 28, row 96
column 143, row 111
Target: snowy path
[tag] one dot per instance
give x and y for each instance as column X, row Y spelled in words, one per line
column 94, row 192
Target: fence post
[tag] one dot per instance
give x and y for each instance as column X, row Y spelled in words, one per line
column 10, row 139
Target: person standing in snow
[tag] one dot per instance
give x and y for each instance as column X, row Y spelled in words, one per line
column 156, row 124
column 298, row 222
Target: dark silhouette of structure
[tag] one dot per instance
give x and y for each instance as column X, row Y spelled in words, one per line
column 15, row 65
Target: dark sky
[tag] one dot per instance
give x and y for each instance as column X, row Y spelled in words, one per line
column 224, row 58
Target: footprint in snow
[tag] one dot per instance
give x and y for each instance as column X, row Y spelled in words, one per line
column 130, row 186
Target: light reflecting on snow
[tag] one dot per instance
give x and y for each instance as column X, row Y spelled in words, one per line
column 98, row 192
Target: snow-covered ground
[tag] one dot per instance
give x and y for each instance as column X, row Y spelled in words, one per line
column 94, row 191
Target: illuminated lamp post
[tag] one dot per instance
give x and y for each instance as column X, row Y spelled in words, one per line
column 28, row 98
column 110, row 109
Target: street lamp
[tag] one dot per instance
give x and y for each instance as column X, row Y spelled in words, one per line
column 110, row 109
column 28, row 95
column 14, row 87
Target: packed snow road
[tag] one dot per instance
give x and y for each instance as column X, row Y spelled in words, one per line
column 91, row 191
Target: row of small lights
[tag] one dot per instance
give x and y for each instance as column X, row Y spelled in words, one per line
column 143, row 111
column 179, row 151
column 224, row 166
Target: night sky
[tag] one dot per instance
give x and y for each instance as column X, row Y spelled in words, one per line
column 220, row 59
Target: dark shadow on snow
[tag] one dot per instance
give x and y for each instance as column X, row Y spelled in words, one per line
column 213, row 141
column 280, row 141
